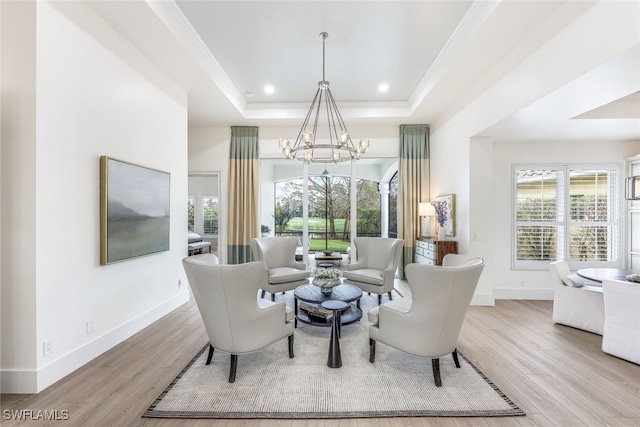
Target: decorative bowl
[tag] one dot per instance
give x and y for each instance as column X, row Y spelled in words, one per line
column 327, row 253
column 326, row 285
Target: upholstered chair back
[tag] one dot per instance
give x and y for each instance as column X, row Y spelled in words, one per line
column 275, row 252
column 226, row 296
column 378, row 253
column 440, row 300
column 558, row 270
column 458, row 260
column 580, row 305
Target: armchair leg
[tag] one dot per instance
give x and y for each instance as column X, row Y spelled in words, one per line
column 455, row 357
column 390, row 297
column 273, row 297
column 379, row 299
column 210, row 355
column 372, row 350
column 290, row 338
column 435, row 364
column 232, row 368
column 262, row 294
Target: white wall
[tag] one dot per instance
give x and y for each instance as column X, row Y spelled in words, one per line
column 94, row 95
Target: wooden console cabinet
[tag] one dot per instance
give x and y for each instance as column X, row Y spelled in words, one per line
column 431, row 251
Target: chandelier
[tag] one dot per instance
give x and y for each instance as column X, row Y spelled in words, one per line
column 339, row 147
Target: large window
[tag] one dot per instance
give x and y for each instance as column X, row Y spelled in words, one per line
column 329, row 210
column 569, row 212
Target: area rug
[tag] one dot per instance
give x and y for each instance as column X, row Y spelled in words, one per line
column 271, row 385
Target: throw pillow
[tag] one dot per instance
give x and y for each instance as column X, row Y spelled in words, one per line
column 573, row 280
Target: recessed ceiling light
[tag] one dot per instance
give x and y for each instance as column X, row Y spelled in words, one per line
column 383, row 87
column 269, row 89
column 249, row 94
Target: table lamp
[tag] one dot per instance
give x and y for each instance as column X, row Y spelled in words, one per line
column 426, row 211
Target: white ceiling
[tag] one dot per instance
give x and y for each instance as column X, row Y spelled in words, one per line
column 225, row 52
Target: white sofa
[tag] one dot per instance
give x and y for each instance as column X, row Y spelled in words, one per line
column 621, row 335
column 579, row 307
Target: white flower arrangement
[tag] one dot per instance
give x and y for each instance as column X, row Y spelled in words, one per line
column 328, row 273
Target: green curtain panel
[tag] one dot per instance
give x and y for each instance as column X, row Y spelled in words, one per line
column 413, row 186
column 244, row 173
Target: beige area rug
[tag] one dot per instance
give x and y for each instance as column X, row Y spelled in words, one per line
column 270, row 385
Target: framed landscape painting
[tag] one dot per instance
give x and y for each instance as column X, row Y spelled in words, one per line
column 450, row 225
column 134, row 210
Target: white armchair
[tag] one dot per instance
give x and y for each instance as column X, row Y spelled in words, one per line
column 377, row 261
column 578, row 307
column 427, row 323
column 278, row 256
column 621, row 333
column 236, row 321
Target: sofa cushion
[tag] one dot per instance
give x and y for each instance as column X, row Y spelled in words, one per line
column 573, row 280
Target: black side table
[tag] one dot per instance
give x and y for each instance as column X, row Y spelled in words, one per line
column 334, row 360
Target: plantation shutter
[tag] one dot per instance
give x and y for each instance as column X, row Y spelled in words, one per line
column 539, row 214
column 566, row 212
column 594, row 212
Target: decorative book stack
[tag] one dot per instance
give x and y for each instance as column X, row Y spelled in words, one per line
column 316, row 313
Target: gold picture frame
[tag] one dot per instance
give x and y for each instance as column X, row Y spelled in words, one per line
column 450, row 224
column 134, row 210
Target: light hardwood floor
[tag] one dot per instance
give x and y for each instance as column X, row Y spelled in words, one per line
column 556, row 374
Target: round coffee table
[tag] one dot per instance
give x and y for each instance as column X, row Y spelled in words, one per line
column 311, row 294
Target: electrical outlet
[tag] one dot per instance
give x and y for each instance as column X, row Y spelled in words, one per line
column 48, row 347
column 89, row 327
column 179, row 283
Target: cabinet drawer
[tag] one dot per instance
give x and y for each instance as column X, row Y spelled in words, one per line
column 419, row 250
column 431, row 254
column 422, row 245
column 422, row 260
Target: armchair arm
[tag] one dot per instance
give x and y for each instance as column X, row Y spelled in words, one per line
column 393, row 320
column 299, row 265
column 355, row 266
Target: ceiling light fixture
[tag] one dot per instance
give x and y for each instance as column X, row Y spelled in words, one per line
column 339, row 147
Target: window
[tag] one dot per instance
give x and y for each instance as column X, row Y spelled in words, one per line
column 566, row 212
column 210, row 215
column 202, row 215
column 191, row 214
column 329, row 210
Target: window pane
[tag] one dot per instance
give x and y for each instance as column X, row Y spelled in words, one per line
column 368, row 211
column 191, row 214
column 592, row 243
column 590, row 196
column 536, row 195
column 536, row 243
column 393, row 206
column 210, row 215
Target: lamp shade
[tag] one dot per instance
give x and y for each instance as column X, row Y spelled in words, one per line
column 426, row 209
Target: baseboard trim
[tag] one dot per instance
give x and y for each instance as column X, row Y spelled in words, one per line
column 30, row 382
